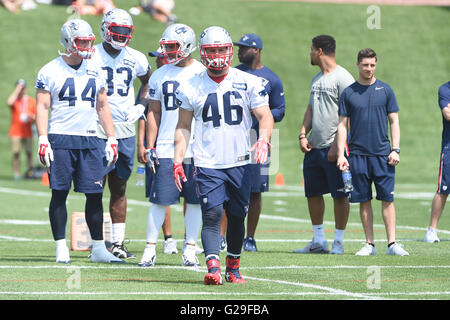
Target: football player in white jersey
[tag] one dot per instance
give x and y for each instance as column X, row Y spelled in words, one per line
column 72, row 89
column 120, row 65
column 177, row 43
column 221, row 100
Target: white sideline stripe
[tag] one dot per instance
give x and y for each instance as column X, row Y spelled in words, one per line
column 163, row 293
column 166, row 293
column 362, row 241
column 202, row 269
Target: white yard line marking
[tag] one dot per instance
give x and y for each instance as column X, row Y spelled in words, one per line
column 201, row 269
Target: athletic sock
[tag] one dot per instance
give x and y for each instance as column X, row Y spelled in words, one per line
column 339, row 235
column 319, row 233
column 118, row 232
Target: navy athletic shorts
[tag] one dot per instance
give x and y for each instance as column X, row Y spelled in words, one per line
column 230, row 187
column 368, row 169
column 163, row 190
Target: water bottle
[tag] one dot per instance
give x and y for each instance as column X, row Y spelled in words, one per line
column 140, row 175
column 347, row 178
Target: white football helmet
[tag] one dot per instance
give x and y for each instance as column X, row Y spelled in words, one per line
column 180, row 35
column 216, row 38
column 117, row 28
column 72, row 32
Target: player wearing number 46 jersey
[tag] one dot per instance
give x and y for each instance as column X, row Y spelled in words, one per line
column 72, row 88
column 121, row 65
column 177, row 44
column 221, row 100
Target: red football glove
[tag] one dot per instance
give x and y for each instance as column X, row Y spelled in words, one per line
column 178, row 172
column 261, row 148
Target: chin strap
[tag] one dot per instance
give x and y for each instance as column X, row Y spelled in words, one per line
column 63, row 54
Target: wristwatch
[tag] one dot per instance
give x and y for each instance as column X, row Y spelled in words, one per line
column 396, row 150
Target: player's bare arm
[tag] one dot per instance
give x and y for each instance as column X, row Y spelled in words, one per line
column 446, row 112
column 182, row 133
column 154, row 120
column 394, row 157
column 265, row 120
column 43, row 100
column 141, row 132
column 104, row 113
column 143, row 99
column 340, row 139
column 306, row 127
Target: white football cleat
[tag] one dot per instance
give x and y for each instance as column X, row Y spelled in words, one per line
column 396, row 250
column 62, row 254
column 101, row 254
column 314, row 247
column 367, row 250
column 189, row 259
column 337, row 248
column 431, row 236
column 149, row 257
column 170, row 246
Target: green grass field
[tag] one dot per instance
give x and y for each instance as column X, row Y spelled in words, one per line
column 412, row 46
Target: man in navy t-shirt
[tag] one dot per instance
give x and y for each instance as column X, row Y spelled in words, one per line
column 438, row 204
column 367, row 105
column 250, row 46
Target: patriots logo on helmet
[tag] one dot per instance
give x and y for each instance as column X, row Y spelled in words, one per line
column 40, row 84
column 73, row 26
column 181, row 30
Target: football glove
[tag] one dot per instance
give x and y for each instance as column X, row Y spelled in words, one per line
column 135, row 113
column 261, row 148
column 111, row 151
column 178, row 173
column 152, row 159
column 45, row 152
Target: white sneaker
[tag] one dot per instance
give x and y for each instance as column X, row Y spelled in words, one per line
column 101, row 254
column 198, row 250
column 367, row 250
column 337, row 248
column 431, row 235
column 170, row 246
column 314, row 247
column 62, row 254
column 189, row 259
column 149, row 257
column 396, row 250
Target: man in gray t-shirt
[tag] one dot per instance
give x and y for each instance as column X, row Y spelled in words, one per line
column 321, row 176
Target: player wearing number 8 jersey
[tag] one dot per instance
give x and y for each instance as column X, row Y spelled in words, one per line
column 177, row 44
column 221, row 100
column 120, row 66
column 72, row 89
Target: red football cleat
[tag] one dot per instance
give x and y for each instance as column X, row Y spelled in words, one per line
column 232, row 273
column 213, row 276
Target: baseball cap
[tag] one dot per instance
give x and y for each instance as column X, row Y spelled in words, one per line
column 250, row 40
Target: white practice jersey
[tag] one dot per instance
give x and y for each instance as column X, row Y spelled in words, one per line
column 162, row 86
column 222, row 116
column 73, row 96
column 120, row 73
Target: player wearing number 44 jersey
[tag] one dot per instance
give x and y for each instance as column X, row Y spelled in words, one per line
column 72, row 88
column 120, row 66
column 221, row 100
column 177, row 44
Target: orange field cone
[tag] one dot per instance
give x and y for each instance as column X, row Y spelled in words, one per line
column 279, row 180
column 44, row 180
column 303, row 182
